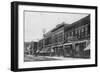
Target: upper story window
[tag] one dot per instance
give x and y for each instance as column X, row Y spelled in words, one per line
column 75, row 31
column 79, row 31
column 85, row 28
column 82, row 29
column 72, row 33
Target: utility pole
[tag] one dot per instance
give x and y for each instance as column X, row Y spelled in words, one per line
column 44, row 31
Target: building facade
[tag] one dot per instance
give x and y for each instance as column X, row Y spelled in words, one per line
column 47, row 43
column 78, row 30
column 40, row 45
column 27, row 48
column 78, row 33
column 58, row 39
column 58, row 35
column 68, row 39
column 30, row 48
column 33, row 47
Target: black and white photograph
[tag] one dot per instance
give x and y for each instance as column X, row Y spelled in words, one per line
column 53, row 36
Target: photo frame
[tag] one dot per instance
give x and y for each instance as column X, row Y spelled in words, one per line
column 48, row 36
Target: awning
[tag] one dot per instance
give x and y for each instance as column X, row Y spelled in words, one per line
column 76, row 42
column 68, row 44
column 45, row 50
column 87, row 48
column 82, row 41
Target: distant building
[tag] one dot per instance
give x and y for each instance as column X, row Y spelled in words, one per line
column 33, row 47
column 48, row 39
column 40, row 45
column 27, row 47
column 30, row 47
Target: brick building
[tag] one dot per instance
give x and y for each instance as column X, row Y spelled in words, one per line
column 78, row 34
column 33, row 47
column 40, row 45
column 68, row 39
column 78, row 30
column 58, row 39
column 30, row 47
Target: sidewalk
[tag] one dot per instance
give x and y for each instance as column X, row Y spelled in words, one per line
column 53, row 57
column 62, row 58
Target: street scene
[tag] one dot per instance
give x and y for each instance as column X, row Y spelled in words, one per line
column 68, row 39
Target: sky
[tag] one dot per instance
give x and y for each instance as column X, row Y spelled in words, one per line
column 36, row 22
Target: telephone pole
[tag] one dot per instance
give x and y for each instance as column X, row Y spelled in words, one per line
column 44, row 31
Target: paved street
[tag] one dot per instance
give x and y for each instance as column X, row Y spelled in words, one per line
column 30, row 58
column 38, row 58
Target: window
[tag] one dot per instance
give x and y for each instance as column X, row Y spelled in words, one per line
column 68, row 34
column 85, row 28
column 79, row 32
column 82, row 29
column 72, row 33
column 75, row 31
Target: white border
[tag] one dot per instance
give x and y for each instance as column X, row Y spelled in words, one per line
column 22, row 64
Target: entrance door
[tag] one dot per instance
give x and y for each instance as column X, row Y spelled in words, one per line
column 68, row 50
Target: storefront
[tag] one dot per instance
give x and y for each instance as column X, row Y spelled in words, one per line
column 80, row 46
column 68, row 50
column 76, row 49
column 58, row 50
